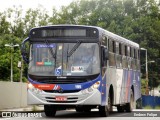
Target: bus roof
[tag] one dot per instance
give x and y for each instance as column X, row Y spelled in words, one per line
column 118, row 38
column 101, row 31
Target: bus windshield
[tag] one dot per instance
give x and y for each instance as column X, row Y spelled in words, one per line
column 64, row 59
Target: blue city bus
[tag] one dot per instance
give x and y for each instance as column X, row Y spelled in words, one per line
column 81, row 67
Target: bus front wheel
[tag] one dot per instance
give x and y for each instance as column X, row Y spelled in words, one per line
column 49, row 110
column 83, row 109
column 104, row 110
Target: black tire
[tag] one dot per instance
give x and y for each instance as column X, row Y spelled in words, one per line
column 138, row 104
column 130, row 106
column 49, row 110
column 105, row 110
column 83, row 109
column 87, row 110
column 120, row 108
column 79, row 109
column 110, row 102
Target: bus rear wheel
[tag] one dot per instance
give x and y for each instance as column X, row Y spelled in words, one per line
column 130, row 106
column 49, row 110
column 120, row 108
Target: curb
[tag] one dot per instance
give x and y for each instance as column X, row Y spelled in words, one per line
column 33, row 108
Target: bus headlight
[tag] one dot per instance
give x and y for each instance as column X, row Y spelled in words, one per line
column 96, row 85
column 33, row 89
column 30, row 86
column 90, row 89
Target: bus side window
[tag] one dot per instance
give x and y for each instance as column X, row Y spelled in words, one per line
column 132, row 58
column 117, row 48
column 131, row 54
column 126, row 54
column 128, row 51
column 110, row 45
column 125, row 50
column 120, row 54
column 112, row 51
column 117, row 55
column 120, row 49
column 138, row 60
column 114, row 47
column 105, row 41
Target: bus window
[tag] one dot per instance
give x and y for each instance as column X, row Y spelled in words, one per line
column 118, row 55
column 105, row 41
column 125, row 50
column 110, row 45
column 131, row 50
column 120, row 48
column 117, row 48
column 128, row 51
column 114, row 47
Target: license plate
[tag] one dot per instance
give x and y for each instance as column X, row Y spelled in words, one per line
column 61, row 98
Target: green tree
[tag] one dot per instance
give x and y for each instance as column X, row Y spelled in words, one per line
column 137, row 20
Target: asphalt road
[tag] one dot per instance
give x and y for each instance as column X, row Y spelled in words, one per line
column 73, row 115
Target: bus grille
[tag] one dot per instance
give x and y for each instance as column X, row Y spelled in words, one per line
column 65, row 91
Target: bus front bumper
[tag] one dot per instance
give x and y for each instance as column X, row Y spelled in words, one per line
column 80, row 98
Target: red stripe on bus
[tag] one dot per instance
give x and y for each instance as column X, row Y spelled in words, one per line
column 44, row 86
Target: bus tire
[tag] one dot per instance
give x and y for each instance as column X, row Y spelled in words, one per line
column 49, row 110
column 110, row 103
column 83, row 109
column 87, row 110
column 130, row 106
column 120, row 108
column 104, row 110
column 79, row 109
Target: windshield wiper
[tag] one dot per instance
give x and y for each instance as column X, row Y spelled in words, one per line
column 74, row 48
column 51, row 50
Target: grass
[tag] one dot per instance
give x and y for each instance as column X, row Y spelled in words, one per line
column 150, row 107
column 147, row 107
column 157, row 108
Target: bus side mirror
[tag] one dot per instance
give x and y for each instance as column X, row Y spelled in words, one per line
column 25, row 50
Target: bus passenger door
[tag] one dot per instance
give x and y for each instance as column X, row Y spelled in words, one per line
column 104, row 58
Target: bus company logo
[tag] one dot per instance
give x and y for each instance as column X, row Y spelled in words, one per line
column 56, row 87
column 77, row 69
column 60, row 90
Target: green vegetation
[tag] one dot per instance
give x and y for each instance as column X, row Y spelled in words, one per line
column 157, row 108
column 147, row 107
column 143, row 86
column 137, row 20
